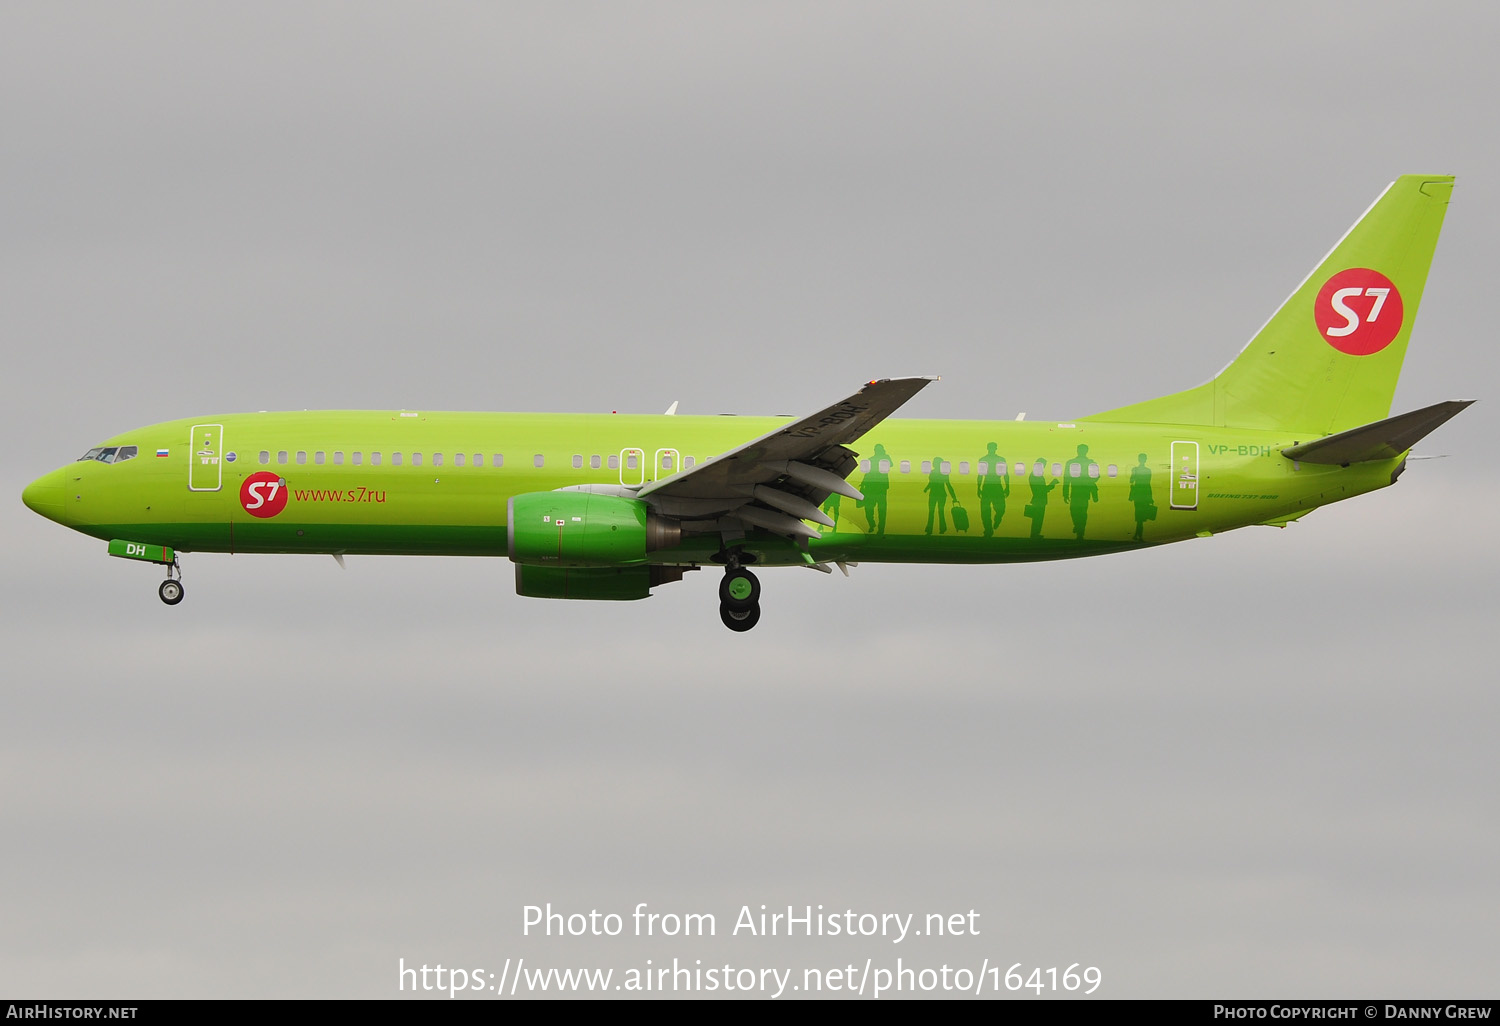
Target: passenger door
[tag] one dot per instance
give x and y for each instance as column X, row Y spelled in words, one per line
column 205, row 458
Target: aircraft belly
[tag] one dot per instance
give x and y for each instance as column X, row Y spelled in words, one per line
column 372, row 539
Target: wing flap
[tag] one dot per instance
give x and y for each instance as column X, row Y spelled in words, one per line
column 801, row 463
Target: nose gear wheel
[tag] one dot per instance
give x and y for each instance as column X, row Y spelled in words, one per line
column 170, row 591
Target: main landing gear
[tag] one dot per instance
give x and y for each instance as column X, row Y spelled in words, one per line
column 739, row 598
column 171, row 590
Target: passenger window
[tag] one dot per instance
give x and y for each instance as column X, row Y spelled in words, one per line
column 666, row 462
column 926, row 466
column 864, row 466
column 963, row 466
column 437, row 459
column 478, row 460
column 265, row 457
column 458, row 459
column 374, row 459
column 318, row 457
column 687, row 462
column 1112, row 470
column 1074, row 470
column 395, row 459
column 594, row 462
column 356, row 458
column 499, row 460
column 906, row 466
column 631, row 461
column 338, row 459
column 1093, row 470
column 1056, row 469
column 614, row 462
column 301, row 457
column 885, row 466
column 416, row 459
column 538, row 460
column 281, row 457
column 947, row 467
column 577, row 461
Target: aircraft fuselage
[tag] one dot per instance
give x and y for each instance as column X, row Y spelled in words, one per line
column 403, row 482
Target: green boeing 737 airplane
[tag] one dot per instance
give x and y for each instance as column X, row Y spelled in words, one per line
column 609, row 507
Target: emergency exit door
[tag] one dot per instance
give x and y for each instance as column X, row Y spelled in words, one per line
column 668, row 462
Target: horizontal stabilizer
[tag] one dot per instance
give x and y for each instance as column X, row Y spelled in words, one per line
column 1382, row 440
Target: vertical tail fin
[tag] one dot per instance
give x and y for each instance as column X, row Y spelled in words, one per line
column 1329, row 358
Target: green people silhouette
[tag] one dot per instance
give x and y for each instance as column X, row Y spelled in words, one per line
column 938, row 490
column 877, row 486
column 831, row 507
column 1080, row 487
column 1140, row 495
column 994, row 488
column 1040, row 486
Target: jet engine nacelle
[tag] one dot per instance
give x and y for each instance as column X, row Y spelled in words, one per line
column 584, row 529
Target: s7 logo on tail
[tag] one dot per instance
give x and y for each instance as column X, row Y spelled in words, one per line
column 1358, row 311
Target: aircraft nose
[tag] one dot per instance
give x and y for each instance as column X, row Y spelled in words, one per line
column 45, row 495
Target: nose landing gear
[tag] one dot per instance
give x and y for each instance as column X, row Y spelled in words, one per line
column 171, row 590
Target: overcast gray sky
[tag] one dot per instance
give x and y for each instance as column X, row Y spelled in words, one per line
column 1257, row 765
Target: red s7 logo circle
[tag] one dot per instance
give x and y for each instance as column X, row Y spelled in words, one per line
column 263, row 494
column 1358, row 311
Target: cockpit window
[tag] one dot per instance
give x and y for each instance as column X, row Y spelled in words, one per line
column 111, row 453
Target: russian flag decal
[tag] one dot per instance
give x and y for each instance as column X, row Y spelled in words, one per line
column 163, row 452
